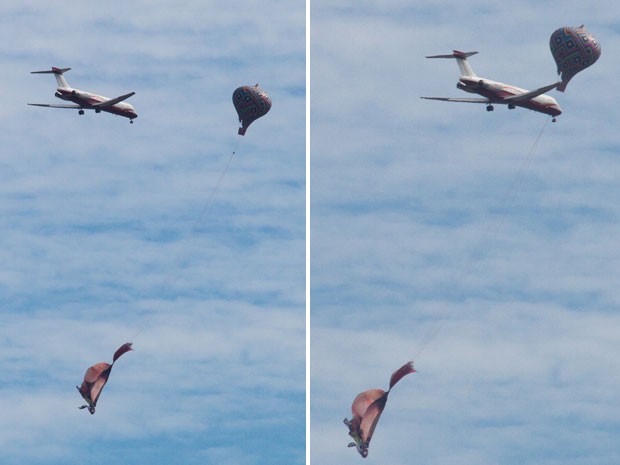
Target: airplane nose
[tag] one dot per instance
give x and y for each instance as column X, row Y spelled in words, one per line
column 554, row 109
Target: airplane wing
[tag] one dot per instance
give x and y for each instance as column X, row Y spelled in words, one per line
column 463, row 100
column 50, row 105
column 112, row 101
column 530, row 95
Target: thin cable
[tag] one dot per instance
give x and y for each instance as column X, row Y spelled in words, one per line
column 202, row 218
column 512, row 189
column 432, row 332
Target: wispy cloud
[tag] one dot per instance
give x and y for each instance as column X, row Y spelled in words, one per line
column 105, row 235
column 435, row 236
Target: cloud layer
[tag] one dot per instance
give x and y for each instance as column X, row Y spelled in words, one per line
column 454, row 236
column 114, row 232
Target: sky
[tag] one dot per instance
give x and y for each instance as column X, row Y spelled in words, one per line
column 484, row 246
column 114, row 232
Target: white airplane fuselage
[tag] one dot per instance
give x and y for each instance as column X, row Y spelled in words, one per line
column 494, row 92
column 497, row 92
column 88, row 99
column 83, row 100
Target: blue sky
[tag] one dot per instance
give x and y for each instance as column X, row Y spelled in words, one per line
column 105, row 239
column 435, row 236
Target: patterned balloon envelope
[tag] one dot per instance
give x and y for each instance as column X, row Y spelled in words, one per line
column 251, row 103
column 574, row 49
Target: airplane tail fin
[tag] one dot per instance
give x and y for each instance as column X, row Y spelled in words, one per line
column 58, row 74
column 461, row 60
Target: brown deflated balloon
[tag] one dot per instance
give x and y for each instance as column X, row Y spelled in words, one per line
column 367, row 408
column 96, row 377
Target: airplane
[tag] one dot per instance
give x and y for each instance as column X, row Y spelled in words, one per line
column 86, row 100
column 494, row 92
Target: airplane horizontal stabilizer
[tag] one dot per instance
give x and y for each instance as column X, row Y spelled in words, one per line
column 455, row 54
column 54, row 70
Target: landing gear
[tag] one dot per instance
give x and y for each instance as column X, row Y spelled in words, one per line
column 554, row 119
column 490, row 107
column 81, row 112
column 130, row 121
column 511, row 106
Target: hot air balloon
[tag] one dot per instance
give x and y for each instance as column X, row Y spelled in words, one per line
column 574, row 49
column 96, row 377
column 251, row 102
column 367, row 408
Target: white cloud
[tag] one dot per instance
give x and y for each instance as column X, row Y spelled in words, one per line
column 435, row 236
column 105, row 238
